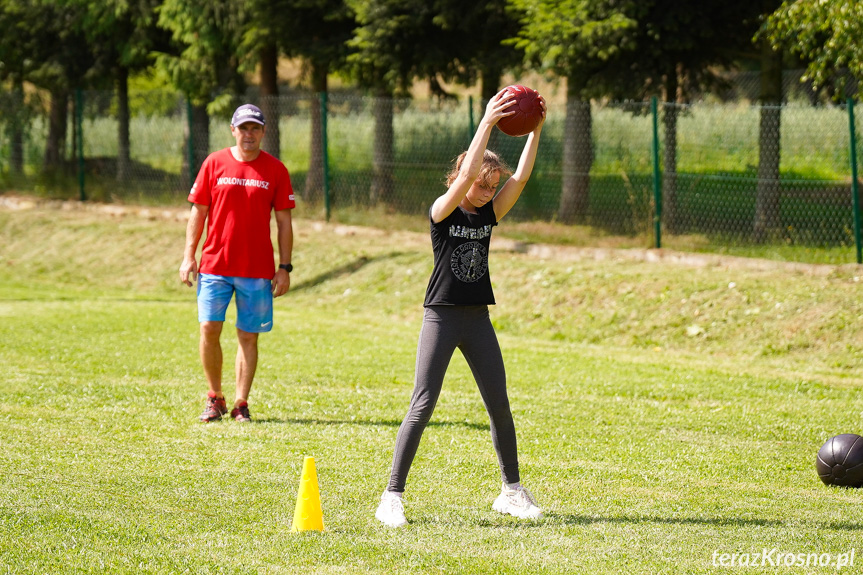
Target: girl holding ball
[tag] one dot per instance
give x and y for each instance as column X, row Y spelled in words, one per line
column 457, row 314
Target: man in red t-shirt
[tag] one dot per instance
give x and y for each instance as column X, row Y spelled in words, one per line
column 235, row 191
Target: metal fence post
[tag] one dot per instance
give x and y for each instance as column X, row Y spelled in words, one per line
column 657, row 183
column 325, row 155
column 79, row 126
column 855, row 200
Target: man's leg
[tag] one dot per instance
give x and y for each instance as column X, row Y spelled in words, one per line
column 247, row 363
column 211, row 355
column 211, row 359
column 254, row 316
column 214, row 295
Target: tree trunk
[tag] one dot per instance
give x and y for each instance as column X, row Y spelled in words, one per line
column 314, row 190
column 670, row 208
column 16, row 130
column 270, row 99
column 490, row 83
column 383, row 157
column 769, row 152
column 198, row 139
column 124, row 158
column 577, row 157
column 57, row 120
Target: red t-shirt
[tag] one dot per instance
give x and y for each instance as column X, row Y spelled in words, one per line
column 241, row 196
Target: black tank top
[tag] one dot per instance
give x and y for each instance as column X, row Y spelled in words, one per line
column 460, row 243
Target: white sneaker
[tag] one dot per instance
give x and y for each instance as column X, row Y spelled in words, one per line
column 517, row 502
column 391, row 511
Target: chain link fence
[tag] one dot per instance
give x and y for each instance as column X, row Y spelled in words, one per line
column 713, row 176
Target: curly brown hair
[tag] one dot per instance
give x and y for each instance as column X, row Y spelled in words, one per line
column 491, row 163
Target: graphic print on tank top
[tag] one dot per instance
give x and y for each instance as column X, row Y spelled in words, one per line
column 469, row 262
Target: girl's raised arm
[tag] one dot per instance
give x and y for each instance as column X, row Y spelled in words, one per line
column 511, row 190
column 470, row 167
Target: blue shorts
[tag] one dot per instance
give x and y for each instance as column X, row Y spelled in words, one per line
column 254, row 301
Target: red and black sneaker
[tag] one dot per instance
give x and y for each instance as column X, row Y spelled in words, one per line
column 215, row 408
column 241, row 412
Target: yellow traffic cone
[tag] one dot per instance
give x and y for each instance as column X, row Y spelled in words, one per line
column 308, row 515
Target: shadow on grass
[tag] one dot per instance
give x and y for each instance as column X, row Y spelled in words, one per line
column 842, row 526
column 569, row 519
column 383, row 423
column 346, row 269
column 584, row 520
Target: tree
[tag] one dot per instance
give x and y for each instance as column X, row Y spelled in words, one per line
column 259, row 47
column 396, row 41
column 32, row 50
column 828, row 34
column 576, row 40
column 769, row 146
column 122, row 36
column 482, row 53
column 679, row 49
column 205, row 64
column 315, row 31
column 56, row 58
column 20, row 49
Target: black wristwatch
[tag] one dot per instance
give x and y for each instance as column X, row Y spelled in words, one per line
column 287, row 267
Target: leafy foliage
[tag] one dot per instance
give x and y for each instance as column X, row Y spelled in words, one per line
column 575, row 38
column 316, row 30
column 44, row 43
column 826, row 33
column 207, row 62
column 683, row 46
column 395, row 42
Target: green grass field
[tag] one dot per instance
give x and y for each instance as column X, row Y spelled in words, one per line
column 667, row 412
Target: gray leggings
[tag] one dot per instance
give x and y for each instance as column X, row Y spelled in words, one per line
column 444, row 329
